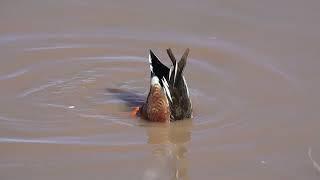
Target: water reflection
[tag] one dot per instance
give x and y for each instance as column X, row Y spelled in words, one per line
column 169, row 150
column 169, row 142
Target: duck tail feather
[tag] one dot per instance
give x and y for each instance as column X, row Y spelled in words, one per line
column 182, row 63
column 171, row 56
column 166, row 88
column 173, row 69
column 157, row 67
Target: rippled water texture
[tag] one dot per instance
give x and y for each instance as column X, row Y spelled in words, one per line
column 70, row 71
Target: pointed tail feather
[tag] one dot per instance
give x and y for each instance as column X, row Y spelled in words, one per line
column 183, row 62
column 156, row 67
column 177, row 68
column 173, row 67
column 171, row 56
column 166, row 89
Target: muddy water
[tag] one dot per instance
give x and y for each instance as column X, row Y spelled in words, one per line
column 71, row 70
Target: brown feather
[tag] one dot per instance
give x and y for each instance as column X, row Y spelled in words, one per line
column 156, row 108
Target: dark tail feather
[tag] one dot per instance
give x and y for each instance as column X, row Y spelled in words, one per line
column 173, row 69
column 182, row 62
column 171, row 56
column 176, row 74
column 157, row 68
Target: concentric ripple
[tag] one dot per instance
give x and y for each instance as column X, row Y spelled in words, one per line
column 66, row 77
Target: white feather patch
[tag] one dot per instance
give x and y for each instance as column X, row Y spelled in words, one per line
column 171, row 68
column 150, row 61
column 155, row 81
column 185, row 82
column 175, row 72
column 166, row 88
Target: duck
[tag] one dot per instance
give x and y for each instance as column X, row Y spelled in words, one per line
column 168, row 98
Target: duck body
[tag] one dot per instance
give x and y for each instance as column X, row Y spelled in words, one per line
column 156, row 108
column 168, row 98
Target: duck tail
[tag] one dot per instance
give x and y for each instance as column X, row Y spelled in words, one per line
column 175, row 73
column 173, row 69
column 157, row 68
column 182, row 63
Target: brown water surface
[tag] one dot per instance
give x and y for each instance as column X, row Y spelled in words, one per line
column 70, row 69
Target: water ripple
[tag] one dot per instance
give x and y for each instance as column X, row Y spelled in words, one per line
column 67, row 46
column 40, row 88
column 69, row 141
column 14, row 74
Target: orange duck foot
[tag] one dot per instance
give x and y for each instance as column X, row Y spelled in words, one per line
column 134, row 112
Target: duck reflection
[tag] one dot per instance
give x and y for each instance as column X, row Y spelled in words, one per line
column 168, row 142
column 169, row 150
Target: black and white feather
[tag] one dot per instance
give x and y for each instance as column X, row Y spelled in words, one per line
column 174, row 84
column 159, row 73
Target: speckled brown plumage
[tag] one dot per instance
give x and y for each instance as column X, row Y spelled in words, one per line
column 156, row 109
